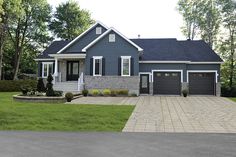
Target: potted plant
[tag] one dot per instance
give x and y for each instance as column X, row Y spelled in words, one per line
column 85, row 92
column 185, row 92
column 69, row 96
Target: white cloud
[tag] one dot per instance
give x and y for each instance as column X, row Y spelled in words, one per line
column 149, row 18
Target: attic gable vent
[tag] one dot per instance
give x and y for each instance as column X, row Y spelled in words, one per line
column 112, row 37
column 98, row 30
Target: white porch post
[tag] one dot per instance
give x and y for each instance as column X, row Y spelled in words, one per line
column 56, row 67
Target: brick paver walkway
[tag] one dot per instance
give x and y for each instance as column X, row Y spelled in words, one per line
column 179, row 114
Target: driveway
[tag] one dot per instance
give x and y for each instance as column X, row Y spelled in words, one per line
column 178, row 114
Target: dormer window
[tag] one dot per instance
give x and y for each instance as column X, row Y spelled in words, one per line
column 98, row 30
column 112, row 37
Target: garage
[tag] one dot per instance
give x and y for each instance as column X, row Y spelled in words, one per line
column 202, row 83
column 167, row 83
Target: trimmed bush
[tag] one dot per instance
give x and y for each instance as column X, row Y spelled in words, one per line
column 41, row 86
column 50, row 91
column 133, row 95
column 69, row 96
column 25, row 90
column 185, row 92
column 58, row 93
column 85, row 92
column 113, row 92
column 15, row 85
column 123, row 92
column 106, row 92
column 95, row 92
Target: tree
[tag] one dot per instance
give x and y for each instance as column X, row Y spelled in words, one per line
column 9, row 9
column 200, row 17
column 228, row 43
column 30, row 29
column 69, row 20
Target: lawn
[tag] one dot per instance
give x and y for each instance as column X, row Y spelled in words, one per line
column 233, row 99
column 60, row 117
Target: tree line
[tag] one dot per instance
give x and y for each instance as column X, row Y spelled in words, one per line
column 28, row 26
column 214, row 21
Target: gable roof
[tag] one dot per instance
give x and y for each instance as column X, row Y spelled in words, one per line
column 82, row 34
column 105, row 33
column 174, row 50
column 53, row 48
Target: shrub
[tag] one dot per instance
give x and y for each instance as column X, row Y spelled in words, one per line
column 226, row 92
column 69, row 96
column 58, row 93
column 24, row 89
column 85, row 92
column 113, row 92
column 40, row 85
column 133, row 95
column 106, row 92
column 185, row 92
column 15, row 85
column 122, row 92
column 50, row 91
column 95, row 92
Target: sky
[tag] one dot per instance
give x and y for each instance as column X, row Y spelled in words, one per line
column 147, row 18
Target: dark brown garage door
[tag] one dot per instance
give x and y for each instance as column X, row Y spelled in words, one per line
column 202, row 83
column 167, row 83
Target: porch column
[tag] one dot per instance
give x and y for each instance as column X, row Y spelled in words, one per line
column 56, row 67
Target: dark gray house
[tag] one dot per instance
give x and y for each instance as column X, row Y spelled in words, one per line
column 102, row 58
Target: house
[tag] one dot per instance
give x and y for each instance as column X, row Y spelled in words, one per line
column 102, row 57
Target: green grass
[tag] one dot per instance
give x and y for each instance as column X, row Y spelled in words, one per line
column 233, row 99
column 60, row 117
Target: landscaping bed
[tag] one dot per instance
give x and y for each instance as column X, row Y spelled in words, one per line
column 42, row 99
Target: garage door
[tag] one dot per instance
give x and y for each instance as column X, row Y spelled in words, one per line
column 167, row 83
column 202, row 83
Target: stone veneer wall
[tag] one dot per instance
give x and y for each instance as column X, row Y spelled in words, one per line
column 113, row 82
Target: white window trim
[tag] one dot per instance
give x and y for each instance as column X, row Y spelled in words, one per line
column 98, row 30
column 94, row 58
column 162, row 70
column 202, row 71
column 47, row 64
column 149, row 73
column 125, row 57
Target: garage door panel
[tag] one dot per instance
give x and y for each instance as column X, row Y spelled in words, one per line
column 202, row 83
column 167, row 83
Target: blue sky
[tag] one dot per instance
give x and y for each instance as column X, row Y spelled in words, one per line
column 149, row 18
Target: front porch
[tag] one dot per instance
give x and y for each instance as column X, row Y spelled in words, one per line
column 68, row 74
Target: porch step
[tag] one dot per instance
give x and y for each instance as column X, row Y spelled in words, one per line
column 71, row 86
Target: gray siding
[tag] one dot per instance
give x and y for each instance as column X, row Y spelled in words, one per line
column 144, row 67
column 112, row 52
column 84, row 40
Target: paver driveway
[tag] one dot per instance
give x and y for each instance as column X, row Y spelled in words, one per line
column 179, row 114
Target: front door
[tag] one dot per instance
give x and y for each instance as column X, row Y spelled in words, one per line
column 72, row 70
column 144, row 83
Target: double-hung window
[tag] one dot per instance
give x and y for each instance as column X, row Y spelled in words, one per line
column 125, row 65
column 97, row 66
column 47, row 69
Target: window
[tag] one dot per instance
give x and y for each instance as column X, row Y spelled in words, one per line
column 98, row 30
column 47, row 69
column 112, row 37
column 97, row 66
column 125, row 65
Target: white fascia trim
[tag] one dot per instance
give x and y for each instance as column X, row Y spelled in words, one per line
column 203, row 71
column 104, row 34
column 168, row 70
column 149, row 73
column 186, row 62
column 45, row 59
column 206, row 62
column 82, row 34
column 68, row 55
column 125, row 57
column 100, row 68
